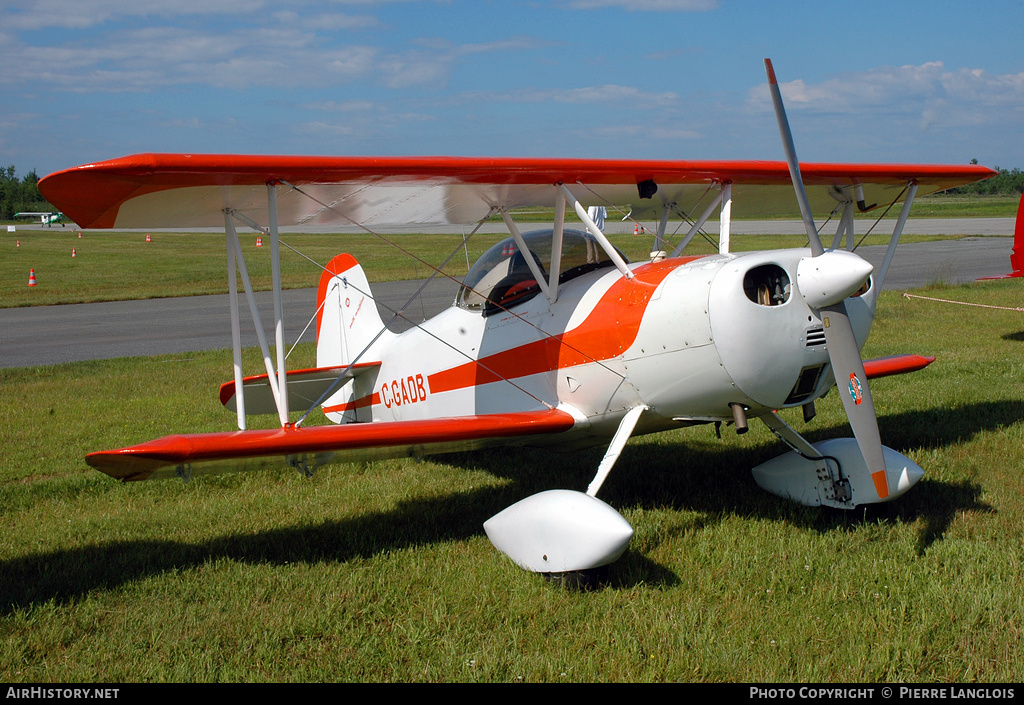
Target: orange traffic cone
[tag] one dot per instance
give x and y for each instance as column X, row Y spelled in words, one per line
column 148, row 238
column 79, row 234
column 259, row 241
column 636, row 229
column 73, row 253
column 31, row 277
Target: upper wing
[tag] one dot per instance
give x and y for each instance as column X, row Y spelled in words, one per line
column 193, row 190
column 316, row 445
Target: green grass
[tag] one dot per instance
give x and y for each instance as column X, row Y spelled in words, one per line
column 381, row 572
column 972, row 206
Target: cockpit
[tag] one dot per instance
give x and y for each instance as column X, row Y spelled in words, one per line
column 502, row 278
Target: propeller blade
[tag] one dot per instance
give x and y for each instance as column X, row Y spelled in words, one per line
column 794, row 165
column 852, row 383
column 843, row 352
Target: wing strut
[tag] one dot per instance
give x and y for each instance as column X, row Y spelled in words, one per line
column 725, row 224
column 715, row 202
column 620, row 264
column 556, row 245
column 231, row 242
column 658, row 251
column 236, row 267
column 275, row 267
column 897, row 231
column 845, row 227
column 535, row 269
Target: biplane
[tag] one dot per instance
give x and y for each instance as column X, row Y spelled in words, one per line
column 554, row 339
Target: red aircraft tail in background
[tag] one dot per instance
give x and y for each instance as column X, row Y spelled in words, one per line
column 1017, row 256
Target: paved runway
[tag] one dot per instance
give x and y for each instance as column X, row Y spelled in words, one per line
column 46, row 335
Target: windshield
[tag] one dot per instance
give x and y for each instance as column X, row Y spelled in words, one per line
column 501, row 278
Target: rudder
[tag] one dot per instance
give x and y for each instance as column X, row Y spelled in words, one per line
column 347, row 321
column 1017, row 255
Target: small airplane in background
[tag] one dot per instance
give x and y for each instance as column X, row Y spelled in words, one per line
column 554, row 339
column 46, row 219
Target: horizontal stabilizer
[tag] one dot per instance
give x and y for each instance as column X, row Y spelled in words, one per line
column 201, row 453
column 896, row 365
column 305, row 387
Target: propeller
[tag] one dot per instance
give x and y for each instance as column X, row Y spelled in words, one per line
column 846, row 277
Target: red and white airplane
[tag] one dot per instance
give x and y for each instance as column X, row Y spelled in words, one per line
column 554, row 339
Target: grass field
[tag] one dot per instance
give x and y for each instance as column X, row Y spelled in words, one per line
column 381, row 572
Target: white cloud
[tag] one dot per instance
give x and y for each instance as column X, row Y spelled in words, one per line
column 281, row 49
column 928, row 94
column 77, row 14
column 81, row 14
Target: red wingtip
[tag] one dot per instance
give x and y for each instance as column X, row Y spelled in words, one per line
column 770, row 70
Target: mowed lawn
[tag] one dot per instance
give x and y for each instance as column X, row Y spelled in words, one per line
column 381, row 571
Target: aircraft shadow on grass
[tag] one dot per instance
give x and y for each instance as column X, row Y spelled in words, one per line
column 713, row 482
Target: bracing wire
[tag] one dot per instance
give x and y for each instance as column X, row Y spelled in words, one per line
column 439, row 271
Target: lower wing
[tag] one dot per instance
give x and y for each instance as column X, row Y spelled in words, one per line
column 203, row 453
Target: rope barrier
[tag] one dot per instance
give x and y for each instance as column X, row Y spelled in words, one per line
column 962, row 303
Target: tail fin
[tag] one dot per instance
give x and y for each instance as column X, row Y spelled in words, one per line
column 1017, row 256
column 347, row 321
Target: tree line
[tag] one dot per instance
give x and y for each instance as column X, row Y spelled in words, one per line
column 17, row 195
column 1006, row 182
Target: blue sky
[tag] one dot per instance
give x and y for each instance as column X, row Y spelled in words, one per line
column 892, row 81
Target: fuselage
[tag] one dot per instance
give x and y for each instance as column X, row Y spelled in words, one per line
column 685, row 337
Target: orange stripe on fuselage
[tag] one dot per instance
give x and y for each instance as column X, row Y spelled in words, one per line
column 372, row 400
column 609, row 330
